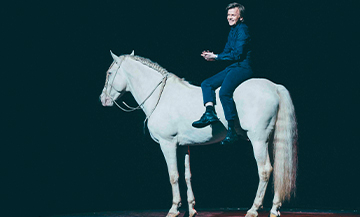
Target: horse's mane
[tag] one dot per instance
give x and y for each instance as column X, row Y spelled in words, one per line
column 150, row 64
column 158, row 68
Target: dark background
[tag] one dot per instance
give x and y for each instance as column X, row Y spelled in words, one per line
column 62, row 152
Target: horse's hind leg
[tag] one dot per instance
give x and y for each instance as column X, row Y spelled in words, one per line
column 190, row 194
column 276, row 205
column 260, row 146
column 169, row 151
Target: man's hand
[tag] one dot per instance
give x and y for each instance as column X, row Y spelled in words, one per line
column 209, row 56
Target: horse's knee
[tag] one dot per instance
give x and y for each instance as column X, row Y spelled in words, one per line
column 265, row 173
column 188, row 177
column 174, row 178
column 188, row 180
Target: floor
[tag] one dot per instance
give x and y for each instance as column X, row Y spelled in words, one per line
column 216, row 213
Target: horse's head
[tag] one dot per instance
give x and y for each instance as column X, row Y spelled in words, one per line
column 115, row 83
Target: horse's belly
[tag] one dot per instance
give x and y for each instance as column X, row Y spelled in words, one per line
column 204, row 136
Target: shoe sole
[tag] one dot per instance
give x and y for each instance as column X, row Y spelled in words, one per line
column 205, row 125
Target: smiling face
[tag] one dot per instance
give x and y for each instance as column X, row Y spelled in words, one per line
column 233, row 16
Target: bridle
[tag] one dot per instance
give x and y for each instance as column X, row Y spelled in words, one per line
column 140, row 106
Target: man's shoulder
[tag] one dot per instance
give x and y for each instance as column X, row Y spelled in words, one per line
column 242, row 28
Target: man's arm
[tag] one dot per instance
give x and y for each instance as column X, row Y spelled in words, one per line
column 238, row 48
column 210, row 56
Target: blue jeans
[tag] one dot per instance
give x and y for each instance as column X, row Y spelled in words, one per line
column 229, row 79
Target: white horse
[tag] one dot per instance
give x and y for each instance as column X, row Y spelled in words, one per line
column 265, row 111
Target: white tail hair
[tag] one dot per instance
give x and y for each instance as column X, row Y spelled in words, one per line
column 285, row 147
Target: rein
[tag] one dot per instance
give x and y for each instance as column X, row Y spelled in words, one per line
column 129, row 108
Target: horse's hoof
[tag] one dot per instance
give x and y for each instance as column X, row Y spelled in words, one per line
column 173, row 214
column 249, row 214
column 193, row 213
column 274, row 215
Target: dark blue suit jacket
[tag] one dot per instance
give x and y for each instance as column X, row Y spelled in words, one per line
column 237, row 47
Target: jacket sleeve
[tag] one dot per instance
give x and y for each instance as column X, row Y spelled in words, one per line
column 234, row 52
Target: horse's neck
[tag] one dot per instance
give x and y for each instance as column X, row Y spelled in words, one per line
column 142, row 82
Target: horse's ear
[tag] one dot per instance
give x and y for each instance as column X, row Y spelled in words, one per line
column 116, row 58
column 132, row 53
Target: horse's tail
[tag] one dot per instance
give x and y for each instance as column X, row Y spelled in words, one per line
column 285, row 146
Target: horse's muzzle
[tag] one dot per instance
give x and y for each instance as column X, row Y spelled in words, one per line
column 105, row 100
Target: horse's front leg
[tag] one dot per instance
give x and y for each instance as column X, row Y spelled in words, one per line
column 169, row 151
column 190, row 194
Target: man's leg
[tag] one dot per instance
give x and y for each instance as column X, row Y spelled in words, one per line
column 208, row 89
column 233, row 79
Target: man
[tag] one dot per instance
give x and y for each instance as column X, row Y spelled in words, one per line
column 238, row 51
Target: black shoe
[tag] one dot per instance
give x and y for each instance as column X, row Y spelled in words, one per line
column 206, row 119
column 231, row 137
